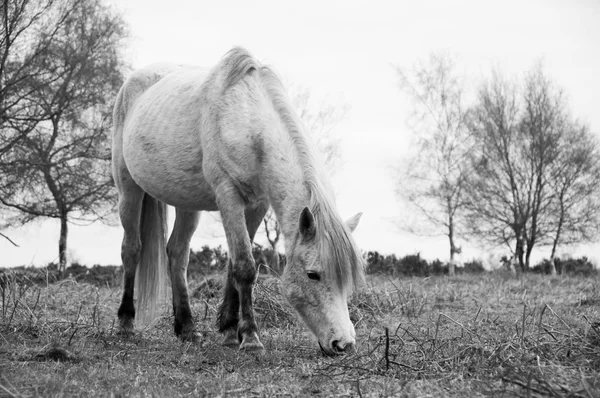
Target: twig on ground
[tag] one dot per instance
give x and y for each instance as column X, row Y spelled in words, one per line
column 387, row 349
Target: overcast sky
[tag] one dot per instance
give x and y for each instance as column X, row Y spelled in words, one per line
column 344, row 52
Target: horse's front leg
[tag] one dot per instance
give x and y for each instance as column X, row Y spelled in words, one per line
column 178, row 250
column 229, row 311
column 242, row 271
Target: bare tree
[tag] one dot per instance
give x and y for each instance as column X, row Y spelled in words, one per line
column 518, row 163
column 433, row 180
column 59, row 165
column 21, row 44
column 544, row 121
column 575, row 182
column 273, row 233
column 499, row 189
column 319, row 121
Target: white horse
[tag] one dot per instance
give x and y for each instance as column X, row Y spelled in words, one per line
column 227, row 139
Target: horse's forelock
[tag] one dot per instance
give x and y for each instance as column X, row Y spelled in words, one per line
column 338, row 252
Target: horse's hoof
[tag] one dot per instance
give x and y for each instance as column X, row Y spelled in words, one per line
column 126, row 327
column 252, row 343
column 257, row 348
column 231, row 339
column 125, row 332
column 190, row 337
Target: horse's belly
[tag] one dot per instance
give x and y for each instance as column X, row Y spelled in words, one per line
column 169, row 168
column 181, row 191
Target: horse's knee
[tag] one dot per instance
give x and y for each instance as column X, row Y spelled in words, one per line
column 131, row 251
column 177, row 250
column 244, row 271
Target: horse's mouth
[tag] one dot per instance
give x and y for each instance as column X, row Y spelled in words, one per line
column 332, row 353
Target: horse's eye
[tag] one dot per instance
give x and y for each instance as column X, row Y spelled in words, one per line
column 313, row 275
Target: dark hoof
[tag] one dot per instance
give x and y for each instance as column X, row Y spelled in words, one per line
column 252, row 343
column 231, row 339
column 126, row 328
column 125, row 333
column 190, row 337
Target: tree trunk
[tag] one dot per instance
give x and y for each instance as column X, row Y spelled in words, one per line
column 452, row 265
column 519, row 265
column 453, row 249
column 62, row 245
column 552, row 264
column 553, row 270
column 274, row 262
column 552, row 255
column 528, row 255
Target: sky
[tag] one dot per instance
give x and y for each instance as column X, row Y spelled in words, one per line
column 345, row 52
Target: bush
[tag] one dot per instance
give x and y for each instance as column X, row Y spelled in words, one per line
column 207, row 261
column 439, row 268
column 410, row 265
column 543, row 267
column 570, row 266
column 576, row 266
column 379, row 264
column 413, row 265
column 472, row 267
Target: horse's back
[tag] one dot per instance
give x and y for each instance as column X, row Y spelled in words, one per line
column 187, row 130
column 157, row 117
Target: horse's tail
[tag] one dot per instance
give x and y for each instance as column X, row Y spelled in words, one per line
column 151, row 275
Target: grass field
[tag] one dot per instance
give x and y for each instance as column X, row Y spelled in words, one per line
column 466, row 336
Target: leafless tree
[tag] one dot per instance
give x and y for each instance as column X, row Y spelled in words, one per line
column 499, row 189
column 320, row 120
column 56, row 162
column 519, row 163
column 433, row 180
column 21, row 43
column 273, row 233
column 575, row 183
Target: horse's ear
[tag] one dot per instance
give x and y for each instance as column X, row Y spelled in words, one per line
column 307, row 224
column 352, row 222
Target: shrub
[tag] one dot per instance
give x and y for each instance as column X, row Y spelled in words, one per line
column 472, row 267
column 439, row 268
column 206, row 261
column 379, row 264
column 570, row 266
column 543, row 267
column 413, row 265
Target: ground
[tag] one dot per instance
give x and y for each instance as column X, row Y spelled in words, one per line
column 471, row 335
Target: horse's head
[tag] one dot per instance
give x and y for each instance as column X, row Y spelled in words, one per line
column 316, row 291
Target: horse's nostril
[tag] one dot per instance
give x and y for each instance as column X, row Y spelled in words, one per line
column 335, row 346
column 340, row 347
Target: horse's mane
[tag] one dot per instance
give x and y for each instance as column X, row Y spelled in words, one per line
column 339, row 254
column 236, row 64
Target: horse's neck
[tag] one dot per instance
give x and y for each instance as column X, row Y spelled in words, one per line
column 289, row 158
column 286, row 188
column 284, row 179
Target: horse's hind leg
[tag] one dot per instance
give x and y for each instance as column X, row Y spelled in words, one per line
column 130, row 208
column 228, row 317
column 178, row 250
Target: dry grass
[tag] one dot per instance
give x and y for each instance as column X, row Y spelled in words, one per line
column 464, row 336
